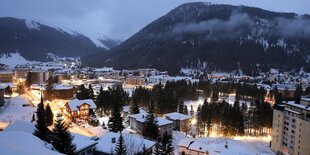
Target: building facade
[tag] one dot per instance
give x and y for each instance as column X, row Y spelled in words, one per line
column 6, row 76
column 290, row 128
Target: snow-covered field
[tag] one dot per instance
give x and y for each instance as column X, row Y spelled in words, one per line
column 14, row 110
column 13, row 59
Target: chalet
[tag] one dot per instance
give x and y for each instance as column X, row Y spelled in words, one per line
column 134, row 144
column 137, row 122
column 80, row 109
column 180, row 121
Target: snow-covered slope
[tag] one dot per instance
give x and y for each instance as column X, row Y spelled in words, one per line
column 13, row 59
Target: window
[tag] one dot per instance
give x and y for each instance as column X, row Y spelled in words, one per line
column 183, row 153
column 293, row 120
column 89, row 151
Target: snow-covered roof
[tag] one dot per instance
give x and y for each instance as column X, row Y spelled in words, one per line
column 76, row 103
column 62, row 87
column 141, row 117
column 127, row 109
column 305, row 99
column 21, row 126
column 177, row 116
column 301, row 106
column 23, row 143
column 216, row 146
column 82, row 142
column 134, row 143
column 4, row 85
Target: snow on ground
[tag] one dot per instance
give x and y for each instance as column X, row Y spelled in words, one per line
column 13, row 59
column 13, row 110
column 195, row 104
column 32, row 25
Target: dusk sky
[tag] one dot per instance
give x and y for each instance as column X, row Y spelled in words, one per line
column 118, row 19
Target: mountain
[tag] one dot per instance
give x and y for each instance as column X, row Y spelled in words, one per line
column 34, row 40
column 221, row 38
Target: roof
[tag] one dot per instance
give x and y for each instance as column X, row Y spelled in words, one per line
column 76, row 103
column 23, row 143
column 82, row 142
column 301, row 106
column 177, row 116
column 216, row 146
column 142, row 116
column 21, row 126
column 133, row 142
column 62, row 87
column 306, row 99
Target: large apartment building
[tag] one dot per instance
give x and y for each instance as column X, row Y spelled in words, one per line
column 291, row 128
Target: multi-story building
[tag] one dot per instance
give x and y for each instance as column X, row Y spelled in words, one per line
column 180, row 121
column 6, row 76
column 80, row 109
column 291, row 128
column 20, row 73
column 138, row 123
column 39, row 76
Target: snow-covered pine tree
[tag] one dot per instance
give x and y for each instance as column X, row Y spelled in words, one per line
column 41, row 130
column 62, row 138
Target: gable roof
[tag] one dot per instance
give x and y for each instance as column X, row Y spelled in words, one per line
column 76, row 103
column 177, row 116
column 134, row 143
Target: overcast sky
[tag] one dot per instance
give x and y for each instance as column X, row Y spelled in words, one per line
column 118, row 19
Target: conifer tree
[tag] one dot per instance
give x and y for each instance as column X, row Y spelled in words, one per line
column 8, row 91
column 297, row 94
column 90, row 92
column 28, row 80
column 120, row 148
column 116, row 121
column 62, row 138
column 166, row 143
column 49, row 115
column 192, row 111
column 41, row 130
column 83, row 93
column 134, row 109
column 151, row 127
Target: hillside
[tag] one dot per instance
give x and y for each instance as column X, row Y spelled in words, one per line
column 215, row 38
column 34, row 40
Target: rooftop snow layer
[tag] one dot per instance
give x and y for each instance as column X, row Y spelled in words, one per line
column 177, row 116
column 76, row 103
column 133, row 142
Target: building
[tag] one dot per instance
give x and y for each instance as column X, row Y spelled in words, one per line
column 290, row 128
column 84, row 145
column 180, row 121
column 137, row 122
column 20, row 73
column 62, row 92
column 136, row 81
column 2, row 96
column 6, row 76
column 134, row 144
column 39, row 76
column 80, row 109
